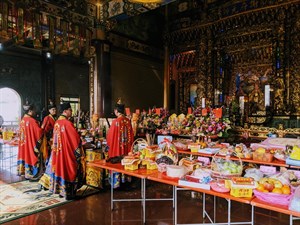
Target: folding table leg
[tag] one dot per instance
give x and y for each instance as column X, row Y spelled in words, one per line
column 111, row 191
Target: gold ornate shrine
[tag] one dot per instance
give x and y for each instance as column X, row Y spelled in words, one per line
column 234, row 54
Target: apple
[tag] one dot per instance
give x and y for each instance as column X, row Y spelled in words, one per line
column 268, row 186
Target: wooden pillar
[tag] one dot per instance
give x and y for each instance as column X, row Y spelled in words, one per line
column 166, row 79
column 166, row 68
column 47, row 78
column 102, row 93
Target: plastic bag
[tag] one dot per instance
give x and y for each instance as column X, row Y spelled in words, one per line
column 256, row 174
column 295, row 201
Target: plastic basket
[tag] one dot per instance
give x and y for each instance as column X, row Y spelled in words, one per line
column 219, row 171
column 139, row 145
column 274, row 198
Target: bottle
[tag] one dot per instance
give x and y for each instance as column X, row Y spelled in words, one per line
column 104, row 131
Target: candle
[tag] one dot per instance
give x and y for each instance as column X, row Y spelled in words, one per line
column 157, row 111
column 218, row 112
column 204, row 112
column 189, row 110
column 203, row 102
column 267, row 95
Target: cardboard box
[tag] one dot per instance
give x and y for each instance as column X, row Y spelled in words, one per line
column 92, row 155
column 94, row 176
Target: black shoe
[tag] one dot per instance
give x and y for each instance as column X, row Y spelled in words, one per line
column 71, row 197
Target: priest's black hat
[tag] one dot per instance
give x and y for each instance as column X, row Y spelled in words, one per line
column 28, row 106
column 64, row 106
column 51, row 104
column 120, row 107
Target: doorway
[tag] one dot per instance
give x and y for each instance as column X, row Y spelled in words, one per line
column 10, row 107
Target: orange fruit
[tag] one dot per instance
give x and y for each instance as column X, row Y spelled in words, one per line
column 277, row 190
column 260, row 187
column 286, row 190
column 265, row 191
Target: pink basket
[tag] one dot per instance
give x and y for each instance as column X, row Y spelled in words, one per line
column 274, row 198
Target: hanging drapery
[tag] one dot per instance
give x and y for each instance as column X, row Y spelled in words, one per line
column 64, row 41
column 4, row 20
column 76, row 50
column 51, row 22
column 37, row 31
column 88, row 34
column 20, row 26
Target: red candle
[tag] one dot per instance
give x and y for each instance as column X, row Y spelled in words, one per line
column 157, row 111
column 189, row 110
column 204, row 112
column 218, row 112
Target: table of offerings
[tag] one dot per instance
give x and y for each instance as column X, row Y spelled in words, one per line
column 155, row 175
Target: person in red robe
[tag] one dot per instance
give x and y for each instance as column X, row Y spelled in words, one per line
column 120, row 134
column 47, row 126
column 67, row 169
column 119, row 140
column 30, row 159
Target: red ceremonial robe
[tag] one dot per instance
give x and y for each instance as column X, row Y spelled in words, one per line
column 67, row 159
column 30, row 145
column 120, row 137
column 48, row 125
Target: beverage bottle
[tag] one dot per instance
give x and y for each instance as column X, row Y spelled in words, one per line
column 104, row 131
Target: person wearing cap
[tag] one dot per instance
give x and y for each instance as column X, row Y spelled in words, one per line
column 120, row 134
column 31, row 146
column 47, row 126
column 119, row 139
column 67, row 161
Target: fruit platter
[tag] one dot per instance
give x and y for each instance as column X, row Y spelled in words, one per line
column 273, row 191
column 226, row 168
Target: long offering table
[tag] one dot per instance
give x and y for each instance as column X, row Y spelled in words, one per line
column 154, row 175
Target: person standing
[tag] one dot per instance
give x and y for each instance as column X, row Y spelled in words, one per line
column 47, row 126
column 31, row 146
column 67, row 169
column 120, row 134
column 119, row 138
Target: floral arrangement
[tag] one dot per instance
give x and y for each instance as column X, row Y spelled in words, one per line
column 158, row 121
column 211, row 126
column 155, row 119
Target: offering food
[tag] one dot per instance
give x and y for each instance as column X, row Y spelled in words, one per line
column 189, row 163
column 175, row 171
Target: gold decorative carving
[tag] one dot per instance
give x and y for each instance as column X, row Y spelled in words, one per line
column 262, row 132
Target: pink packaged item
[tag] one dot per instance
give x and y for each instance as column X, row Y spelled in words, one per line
column 273, row 198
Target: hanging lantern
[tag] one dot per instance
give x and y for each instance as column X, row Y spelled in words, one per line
column 37, row 31
column 4, row 20
column 51, row 22
column 76, row 50
column 64, row 39
column 20, row 26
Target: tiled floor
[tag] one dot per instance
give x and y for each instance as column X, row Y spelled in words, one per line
column 96, row 209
